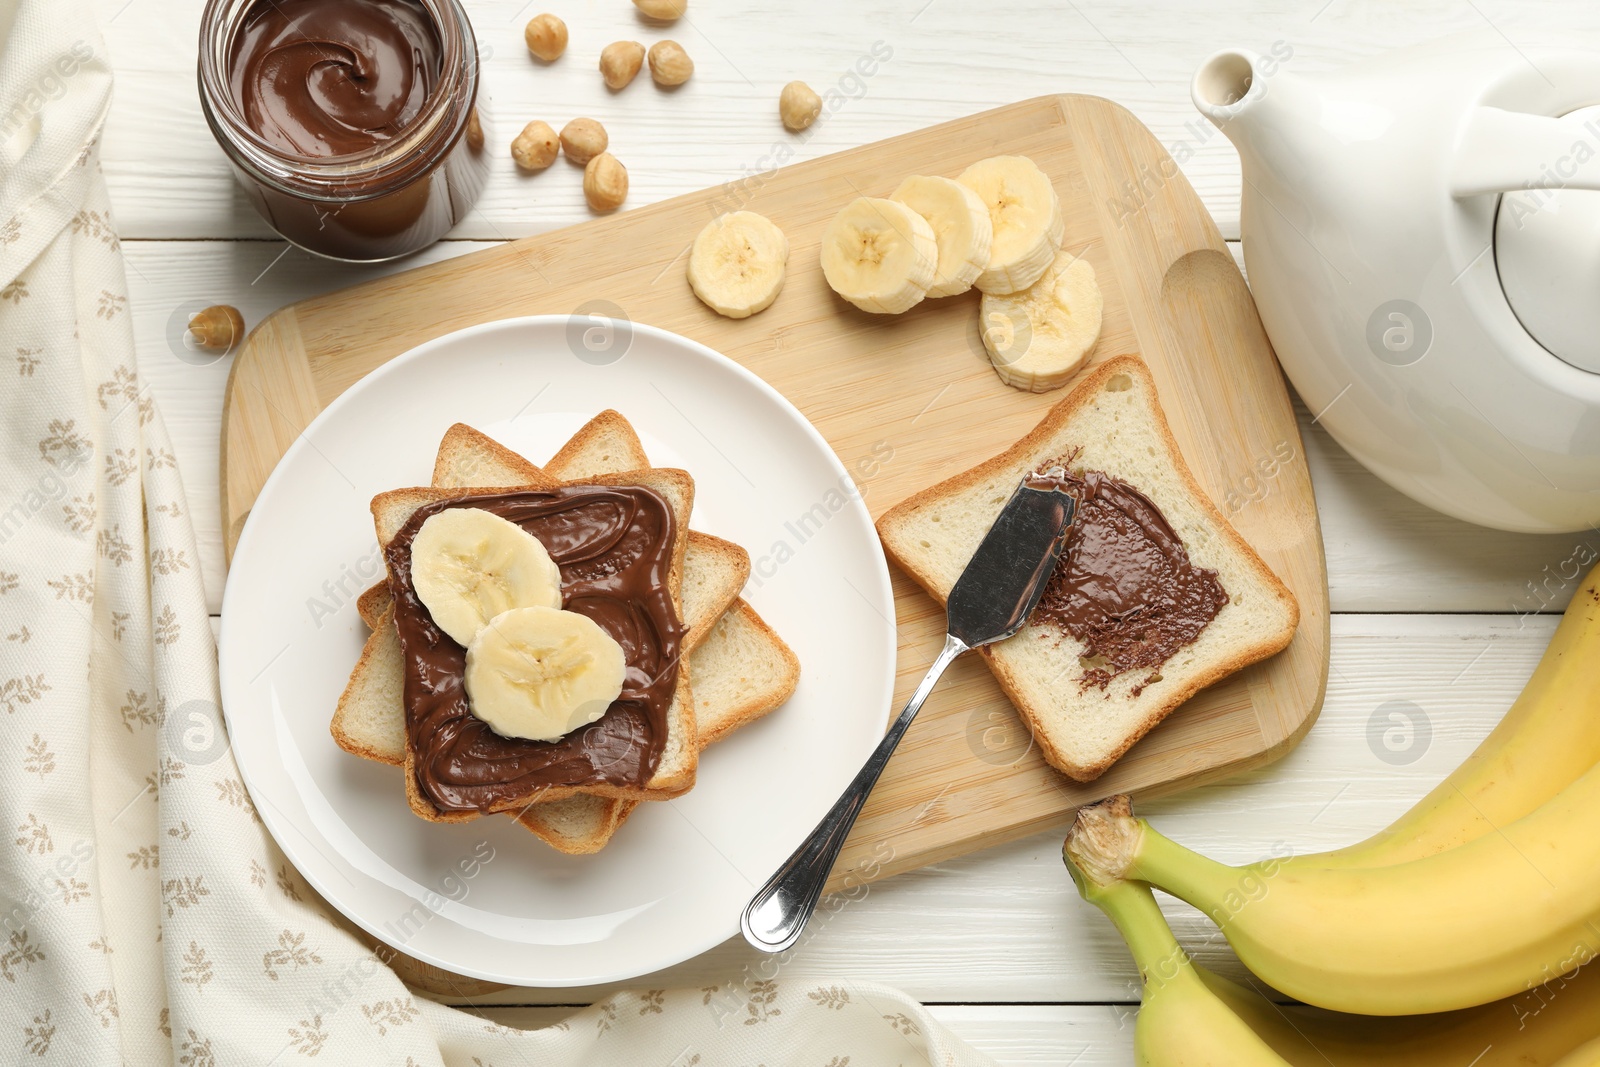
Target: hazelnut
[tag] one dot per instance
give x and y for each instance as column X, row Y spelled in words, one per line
column 620, row 63
column 662, row 10
column 799, row 105
column 669, row 63
column 583, row 139
column 535, row 148
column 546, row 36
column 605, row 183
column 474, row 131
column 219, row 327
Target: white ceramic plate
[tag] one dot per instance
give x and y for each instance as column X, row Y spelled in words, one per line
column 672, row 882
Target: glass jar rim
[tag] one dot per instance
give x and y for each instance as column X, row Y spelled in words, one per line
column 411, row 154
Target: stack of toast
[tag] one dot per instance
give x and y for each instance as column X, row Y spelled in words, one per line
column 733, row 668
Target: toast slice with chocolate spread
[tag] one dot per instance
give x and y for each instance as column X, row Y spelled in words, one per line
column 673, row 772
column 1156, row 597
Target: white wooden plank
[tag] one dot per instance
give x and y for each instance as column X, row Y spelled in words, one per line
column 1004, row 925
column 1057, row 1035
column 169, row 179
column 1385, row 552
column 1016, row 1035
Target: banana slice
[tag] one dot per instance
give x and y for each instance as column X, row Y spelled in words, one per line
column 737, row 263
column 540, row 673
column 879, row 255
column 1038, row 338
column 1026, row 215
column 961, row 228
column 468, row 565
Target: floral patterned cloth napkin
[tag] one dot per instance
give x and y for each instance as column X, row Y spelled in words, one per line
column 146, row 917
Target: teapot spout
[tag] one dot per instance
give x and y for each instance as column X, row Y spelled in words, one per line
column 1222, row 86
column 1262, row 108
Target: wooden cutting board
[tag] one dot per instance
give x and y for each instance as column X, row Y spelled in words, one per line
column 966, row 776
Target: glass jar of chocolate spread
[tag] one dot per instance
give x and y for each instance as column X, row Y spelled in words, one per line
column 354, row 126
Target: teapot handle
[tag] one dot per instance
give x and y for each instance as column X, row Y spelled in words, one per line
column 1511, row 150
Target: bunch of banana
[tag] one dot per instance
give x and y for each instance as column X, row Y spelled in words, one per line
column 1439, row 913
column 1194, row 1018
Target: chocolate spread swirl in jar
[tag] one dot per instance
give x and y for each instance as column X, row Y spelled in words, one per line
column 354, row 126
column 614, row 546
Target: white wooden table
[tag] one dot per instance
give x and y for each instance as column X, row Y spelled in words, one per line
column 1430, row 613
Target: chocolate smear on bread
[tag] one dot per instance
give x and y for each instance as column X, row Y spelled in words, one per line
column 614, row 546
column 1125, row 586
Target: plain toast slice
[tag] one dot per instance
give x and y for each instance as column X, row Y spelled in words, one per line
column 1110, row 422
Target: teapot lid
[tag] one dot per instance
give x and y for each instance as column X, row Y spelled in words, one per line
column 1547, row 253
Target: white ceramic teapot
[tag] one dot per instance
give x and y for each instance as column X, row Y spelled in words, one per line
column 1424, row 249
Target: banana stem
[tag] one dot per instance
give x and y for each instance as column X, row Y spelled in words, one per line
column 1215, row 888
column 1102, row 842
column 1132, row 908
column 1107, row 845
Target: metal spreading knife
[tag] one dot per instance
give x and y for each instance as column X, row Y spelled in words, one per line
column 992, row 599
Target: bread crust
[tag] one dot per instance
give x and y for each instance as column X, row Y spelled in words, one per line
column 356, row 689
column 608, row 424
column 891, row 523
column 730, row 565
column 782, row 681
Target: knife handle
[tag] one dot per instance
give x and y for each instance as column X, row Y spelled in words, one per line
column 776, row 915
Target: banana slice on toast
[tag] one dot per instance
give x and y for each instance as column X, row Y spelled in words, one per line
column 468, row 565
column 540, row 673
